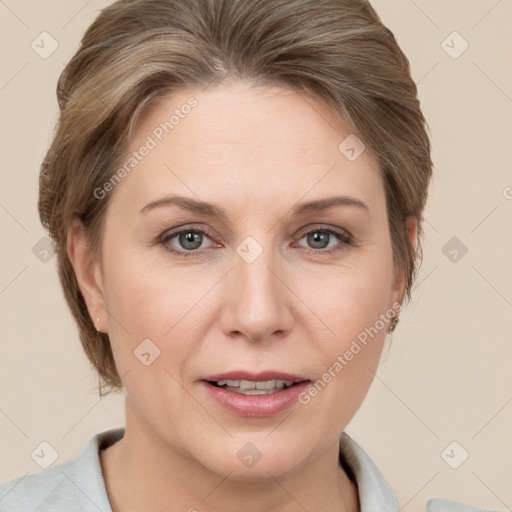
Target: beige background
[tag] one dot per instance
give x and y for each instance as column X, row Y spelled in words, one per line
column 447, row 376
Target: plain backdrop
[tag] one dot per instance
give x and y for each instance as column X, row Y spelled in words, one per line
column 443, row 390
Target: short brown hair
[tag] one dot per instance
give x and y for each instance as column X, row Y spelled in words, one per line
column 138, row 51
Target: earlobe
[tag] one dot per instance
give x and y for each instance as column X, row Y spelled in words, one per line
column 88, row 273
column 411, row 226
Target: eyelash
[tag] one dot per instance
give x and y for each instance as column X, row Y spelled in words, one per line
column 343, row 237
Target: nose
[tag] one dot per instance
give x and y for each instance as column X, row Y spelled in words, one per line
column 258, row 302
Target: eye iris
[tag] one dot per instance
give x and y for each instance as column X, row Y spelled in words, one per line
column 318, row 237
column 190, row 240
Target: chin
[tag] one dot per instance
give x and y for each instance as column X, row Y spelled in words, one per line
column 252, row 458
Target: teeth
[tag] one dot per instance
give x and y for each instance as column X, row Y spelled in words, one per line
column 232, row 383
column 248, row 387
column 269, row 384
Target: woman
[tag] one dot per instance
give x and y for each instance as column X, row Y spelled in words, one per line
column 235, row 193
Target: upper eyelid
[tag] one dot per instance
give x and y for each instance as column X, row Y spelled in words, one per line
column 171, row 233
column 323, row 227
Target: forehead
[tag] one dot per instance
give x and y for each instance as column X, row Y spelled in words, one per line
column 241, row 143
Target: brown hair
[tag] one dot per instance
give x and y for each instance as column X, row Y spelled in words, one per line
column 138, row 51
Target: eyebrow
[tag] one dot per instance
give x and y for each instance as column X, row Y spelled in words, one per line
column 211, row 210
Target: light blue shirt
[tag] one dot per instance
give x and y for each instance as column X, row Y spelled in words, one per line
column 78, row 485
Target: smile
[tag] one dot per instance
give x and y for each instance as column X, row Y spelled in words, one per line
column 247, row 387
column 262, row 394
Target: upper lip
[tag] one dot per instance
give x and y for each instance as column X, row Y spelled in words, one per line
column 254, row 377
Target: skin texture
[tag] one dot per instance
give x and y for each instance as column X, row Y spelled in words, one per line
column 255, row 152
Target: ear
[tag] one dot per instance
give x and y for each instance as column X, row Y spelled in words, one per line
column 88, row 274
column 411, row 226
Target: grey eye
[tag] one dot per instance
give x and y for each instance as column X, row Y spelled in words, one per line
column 318, row 239
column 190, row 240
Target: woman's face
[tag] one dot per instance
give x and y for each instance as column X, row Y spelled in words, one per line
column 245, row 244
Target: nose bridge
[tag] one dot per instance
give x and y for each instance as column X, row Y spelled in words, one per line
column 259, row 305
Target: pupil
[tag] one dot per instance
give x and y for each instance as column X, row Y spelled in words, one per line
column 190, row 240
column 319, row 238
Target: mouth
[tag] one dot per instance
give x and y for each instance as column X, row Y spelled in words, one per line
column 248, row 387
column 255, row 394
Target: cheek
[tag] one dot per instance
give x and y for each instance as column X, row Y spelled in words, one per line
column 148, row 302
column 351, row 298
column 146, row 291
column 354, row 307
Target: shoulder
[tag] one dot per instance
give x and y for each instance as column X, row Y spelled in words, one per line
column 74, row 485
column 442, row 505
column 375, row 492
column 32, row 491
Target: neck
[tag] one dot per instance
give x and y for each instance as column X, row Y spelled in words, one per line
column 142, row 472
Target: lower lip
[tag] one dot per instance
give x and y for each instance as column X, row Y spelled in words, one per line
column 260, row 406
